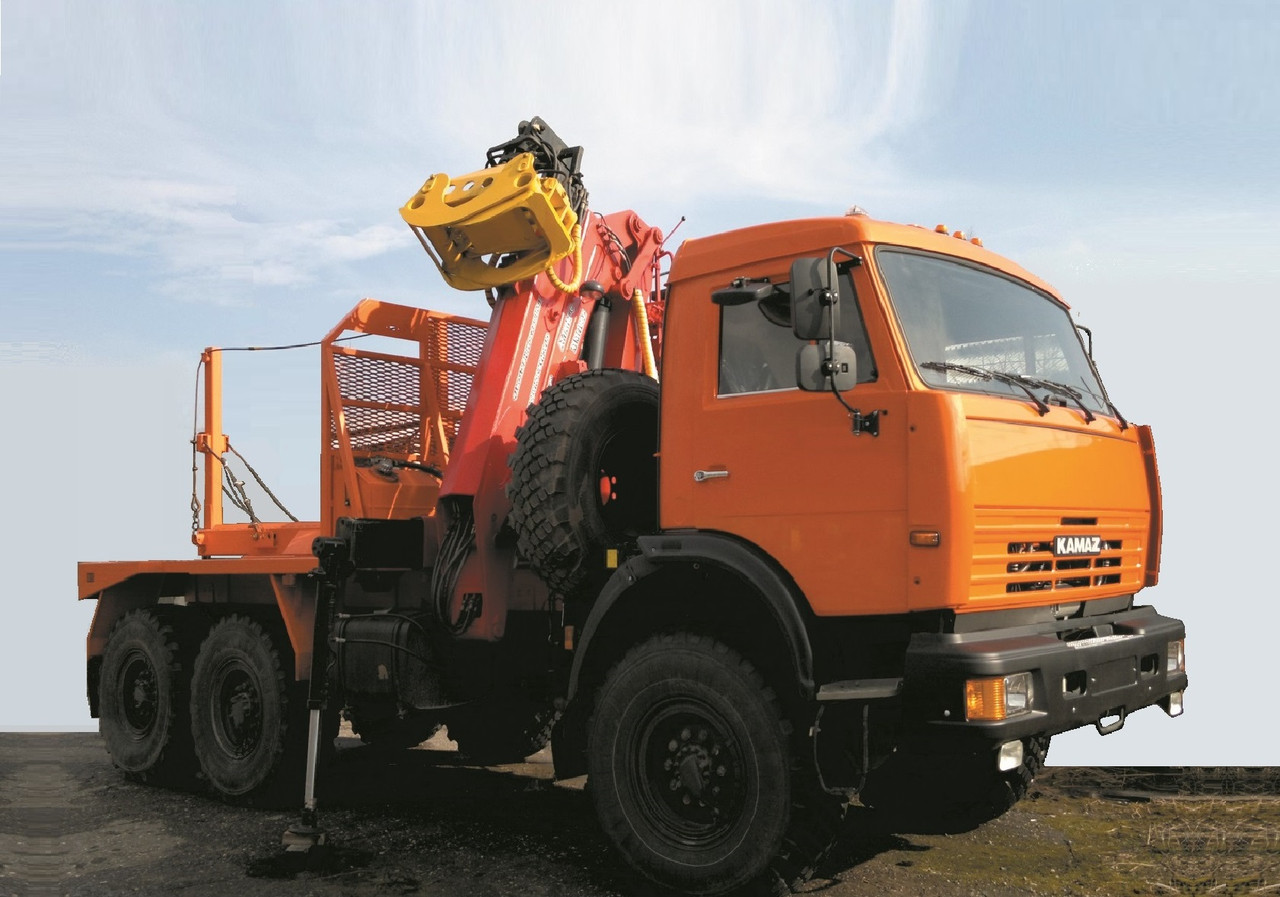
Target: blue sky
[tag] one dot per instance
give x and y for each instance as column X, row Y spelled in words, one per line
column 175, row 175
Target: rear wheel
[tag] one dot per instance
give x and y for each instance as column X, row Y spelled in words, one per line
column 693, row 774
column 249, row 729
column 142, row 700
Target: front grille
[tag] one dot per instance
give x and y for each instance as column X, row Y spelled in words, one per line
column 1013, row 555
column 1058, row 565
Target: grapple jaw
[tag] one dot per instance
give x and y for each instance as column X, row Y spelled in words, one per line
column 508, row 221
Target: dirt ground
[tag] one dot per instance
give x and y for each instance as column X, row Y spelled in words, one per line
column 420, row 823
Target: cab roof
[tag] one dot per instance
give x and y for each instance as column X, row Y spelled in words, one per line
column 735, row 251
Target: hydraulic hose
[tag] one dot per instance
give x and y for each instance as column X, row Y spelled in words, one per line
column 576, row 236
column 642, row 334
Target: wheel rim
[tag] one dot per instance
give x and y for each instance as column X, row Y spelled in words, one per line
column 139, row 694
column 237, row 709
column 688, row 774
column 625, row 481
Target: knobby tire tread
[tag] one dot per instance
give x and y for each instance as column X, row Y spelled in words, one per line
column 175, row 766
column 815, row 818
column 547, row 519
column 275, row 781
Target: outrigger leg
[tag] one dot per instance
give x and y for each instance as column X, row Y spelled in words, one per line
column 306, row 835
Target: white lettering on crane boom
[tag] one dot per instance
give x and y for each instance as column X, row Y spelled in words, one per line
column 536, row 386
column 528, row 347
column 567, row 322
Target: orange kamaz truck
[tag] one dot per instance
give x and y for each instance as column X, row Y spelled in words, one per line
column 797, row 513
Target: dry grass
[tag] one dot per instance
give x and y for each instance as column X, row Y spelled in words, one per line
column 1134, row 832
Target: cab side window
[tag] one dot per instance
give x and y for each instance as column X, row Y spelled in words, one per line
column 758, row 347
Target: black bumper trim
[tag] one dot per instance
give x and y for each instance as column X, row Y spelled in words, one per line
column 1076, row 683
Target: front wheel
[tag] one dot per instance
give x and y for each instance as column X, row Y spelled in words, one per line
column 692, row 770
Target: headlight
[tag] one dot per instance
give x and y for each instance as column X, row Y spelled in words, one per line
column 997, row 697
column 1176, row 657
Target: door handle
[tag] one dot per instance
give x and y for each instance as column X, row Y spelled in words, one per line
column 703, row 475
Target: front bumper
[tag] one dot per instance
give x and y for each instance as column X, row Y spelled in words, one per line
column 1116, row 668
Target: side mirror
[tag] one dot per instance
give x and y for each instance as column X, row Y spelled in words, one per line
column 814, row 294
column 742, row 291
column 818, row 372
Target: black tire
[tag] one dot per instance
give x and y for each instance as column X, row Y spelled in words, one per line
column 142, row 700
column 693, row 772
column 584, row 476
column 248, row 721
column 950, row 794
column 504, row 731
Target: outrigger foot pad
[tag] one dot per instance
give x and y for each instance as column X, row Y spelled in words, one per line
column 303, row 838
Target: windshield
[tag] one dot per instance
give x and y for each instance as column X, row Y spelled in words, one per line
column 973, row 329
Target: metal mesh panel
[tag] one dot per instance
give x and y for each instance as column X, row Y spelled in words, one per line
column 361, row 380
column 382, row 397
column 463, row 346
column 377, row 380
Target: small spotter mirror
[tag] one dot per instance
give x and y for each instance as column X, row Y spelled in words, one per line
column 816, row 371
column 742, row 291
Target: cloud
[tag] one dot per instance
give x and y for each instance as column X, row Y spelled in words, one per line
column 203, row 234
column 707, row 100
column 285, row 156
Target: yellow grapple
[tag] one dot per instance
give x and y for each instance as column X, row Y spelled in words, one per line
column 467, row 223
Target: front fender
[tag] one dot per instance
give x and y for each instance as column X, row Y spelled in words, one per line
column 760, row 574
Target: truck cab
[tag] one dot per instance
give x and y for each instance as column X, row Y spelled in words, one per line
column 956, row 501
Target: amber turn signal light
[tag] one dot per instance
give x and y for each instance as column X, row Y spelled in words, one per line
column 997, row 697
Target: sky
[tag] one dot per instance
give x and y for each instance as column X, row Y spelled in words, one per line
column 176, row 175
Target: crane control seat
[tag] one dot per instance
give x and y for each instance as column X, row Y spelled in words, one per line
column 508, row 216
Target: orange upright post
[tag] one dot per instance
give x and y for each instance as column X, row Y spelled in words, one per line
column 212, row 442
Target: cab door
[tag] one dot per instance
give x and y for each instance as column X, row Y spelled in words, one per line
column 744, row 451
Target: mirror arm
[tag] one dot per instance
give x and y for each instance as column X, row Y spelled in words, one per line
column 863, row 422
column 1089, row 333
column 868, row 422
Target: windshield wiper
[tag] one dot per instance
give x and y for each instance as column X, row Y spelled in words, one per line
column 999, row 376
column 1062, row 389
column 1078, row 397
column 1023, row 381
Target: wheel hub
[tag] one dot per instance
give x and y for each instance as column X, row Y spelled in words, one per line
column 693, row 783
column 139, row 694
column 239, row 711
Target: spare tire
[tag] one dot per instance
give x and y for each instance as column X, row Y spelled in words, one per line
column 584, row 475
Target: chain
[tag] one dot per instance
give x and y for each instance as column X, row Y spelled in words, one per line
column 271, row 495
column 233, row 489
